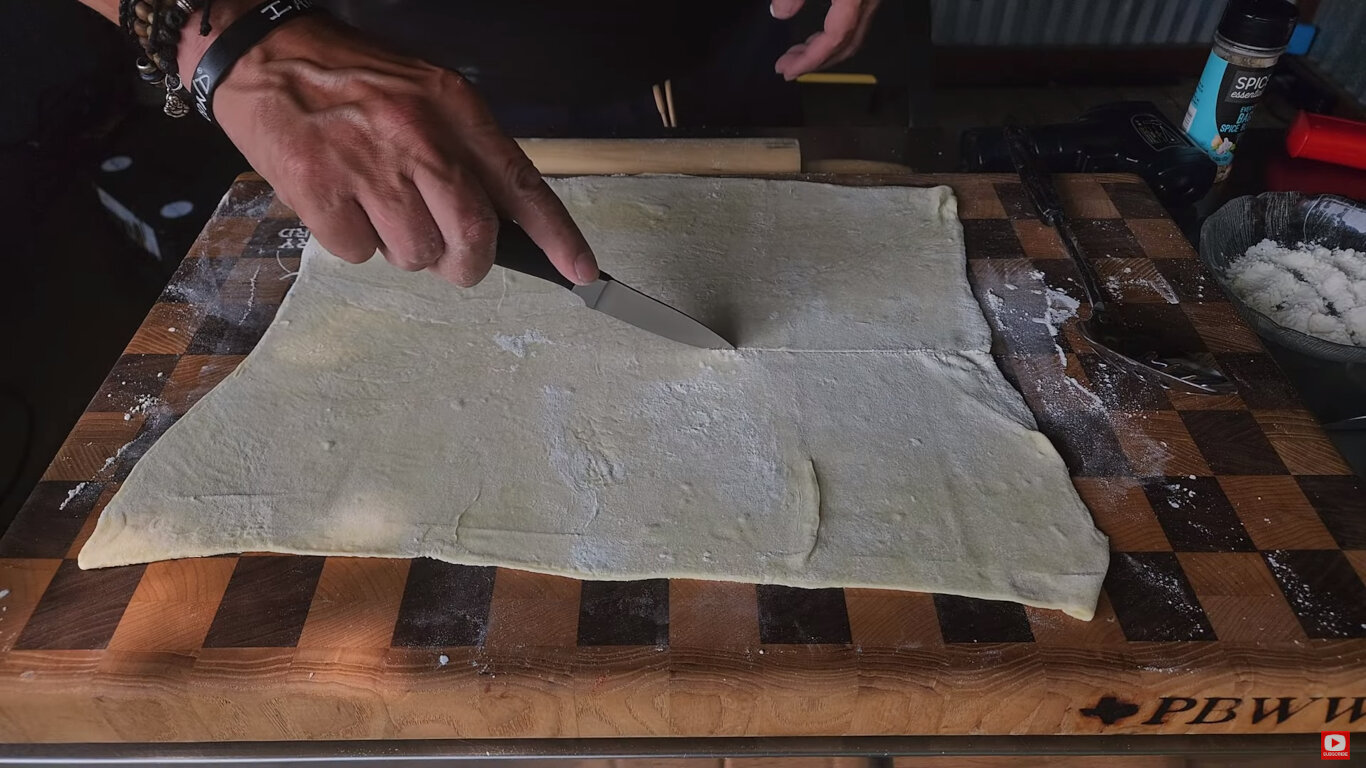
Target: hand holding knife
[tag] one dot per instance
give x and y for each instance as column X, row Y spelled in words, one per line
column 516, row 251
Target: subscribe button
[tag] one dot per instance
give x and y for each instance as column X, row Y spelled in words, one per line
column 1336, row 745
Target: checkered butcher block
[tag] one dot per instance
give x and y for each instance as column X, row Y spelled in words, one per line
column 1234, row 603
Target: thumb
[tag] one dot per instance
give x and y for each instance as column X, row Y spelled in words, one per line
column 785, row 9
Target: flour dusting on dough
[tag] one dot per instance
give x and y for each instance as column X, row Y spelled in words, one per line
column 861, row 437
column 520, row 344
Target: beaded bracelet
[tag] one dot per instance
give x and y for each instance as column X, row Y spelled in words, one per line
column 158, row 25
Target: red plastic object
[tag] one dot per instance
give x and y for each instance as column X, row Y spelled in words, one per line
column 1330, row 139
column 1287, row 174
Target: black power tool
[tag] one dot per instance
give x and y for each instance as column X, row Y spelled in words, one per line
column 1125, row 137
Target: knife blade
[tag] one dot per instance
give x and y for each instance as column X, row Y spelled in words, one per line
column 518, row 252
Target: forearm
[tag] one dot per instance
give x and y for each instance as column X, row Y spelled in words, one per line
column 106, row 8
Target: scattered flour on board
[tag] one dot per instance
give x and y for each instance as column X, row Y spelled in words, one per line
column 1309, row 288
column 1061, row 308
column 141, row 404
column 443, row 659
column 1068, row 408
column 1304, row 598
column 109, row 462
column 70, row 497
column 251, row 297
column 519, row 345
column 4, row 593
column 1116, row 285
column 996, row 303
column 1058, row 308
column 1165, row 586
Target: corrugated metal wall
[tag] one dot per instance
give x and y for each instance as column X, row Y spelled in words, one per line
column 1077, row 22
column 1340, row 49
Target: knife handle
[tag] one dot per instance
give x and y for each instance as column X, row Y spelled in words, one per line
column 518, row 252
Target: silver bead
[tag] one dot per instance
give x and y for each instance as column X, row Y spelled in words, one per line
column 175, row 106
column 185, row 6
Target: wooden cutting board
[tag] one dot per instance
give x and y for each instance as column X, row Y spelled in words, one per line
column 1235, row 602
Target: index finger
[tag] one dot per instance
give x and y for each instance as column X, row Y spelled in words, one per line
column 841, row 23
column 519, row 192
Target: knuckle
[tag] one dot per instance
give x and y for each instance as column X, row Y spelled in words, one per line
column 480, row 232
column 300, row 169
column 521, row 176
column 450, row 83
column 399, row 119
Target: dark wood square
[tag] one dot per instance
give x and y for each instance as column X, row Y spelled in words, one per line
column 229, row 332
column 1196, row 515
column 80, row 609
column 1120, row 390
column 788, row 615
column 1323, row 590
column 266, row 602
column 1014, row 200
column 49, row 520
column 1134, row 201
column 1189, row 280
column 1165, row 322
column 1086, row 441
column 991, row 239
column 1153, row 599
column 624, row 612
column 1340, row 501
column 1233, row 443
column 1106, row 239
column 969, row 620
column 444, row 605
column 1260, row 381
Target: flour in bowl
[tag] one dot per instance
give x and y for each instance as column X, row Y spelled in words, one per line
column 1309, row 288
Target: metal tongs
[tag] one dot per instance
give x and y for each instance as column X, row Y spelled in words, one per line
column 1134, row 350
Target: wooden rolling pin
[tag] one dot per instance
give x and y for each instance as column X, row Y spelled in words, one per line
column 703, row 157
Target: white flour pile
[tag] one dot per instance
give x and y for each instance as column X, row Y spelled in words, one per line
column 1309, row 288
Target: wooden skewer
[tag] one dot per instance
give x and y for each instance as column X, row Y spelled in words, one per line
column 659, row 105
column 669, row 101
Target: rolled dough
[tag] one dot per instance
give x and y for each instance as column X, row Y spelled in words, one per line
column 861, row 435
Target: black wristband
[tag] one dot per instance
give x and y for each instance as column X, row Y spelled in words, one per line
column 235, row 41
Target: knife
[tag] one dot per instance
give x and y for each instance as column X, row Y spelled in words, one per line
column 517, row 251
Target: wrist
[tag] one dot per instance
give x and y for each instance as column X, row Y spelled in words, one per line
column 193, row 45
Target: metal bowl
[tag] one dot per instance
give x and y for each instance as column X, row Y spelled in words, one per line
column 1288, row 218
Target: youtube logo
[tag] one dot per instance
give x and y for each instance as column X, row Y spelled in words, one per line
column 1336, row 745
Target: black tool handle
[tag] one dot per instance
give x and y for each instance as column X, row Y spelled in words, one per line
column 1038, row 182
column 518, row 252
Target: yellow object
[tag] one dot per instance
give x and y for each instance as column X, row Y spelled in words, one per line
column 837, row 78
